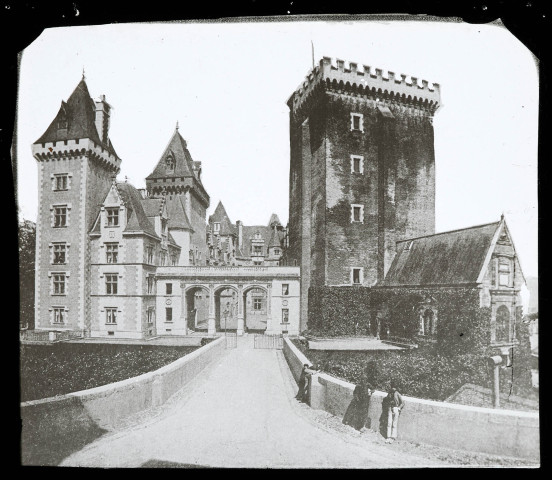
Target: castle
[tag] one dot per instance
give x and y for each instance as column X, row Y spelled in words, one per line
column 113, row 260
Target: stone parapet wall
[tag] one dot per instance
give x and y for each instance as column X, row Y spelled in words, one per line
column 75, row 419
column 485, row 430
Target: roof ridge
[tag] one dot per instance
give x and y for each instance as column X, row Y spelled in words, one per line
column 449, row 231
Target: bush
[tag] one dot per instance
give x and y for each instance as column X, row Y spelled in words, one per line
column 423, row 373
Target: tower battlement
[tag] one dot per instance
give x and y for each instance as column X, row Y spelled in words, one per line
column 370, row 80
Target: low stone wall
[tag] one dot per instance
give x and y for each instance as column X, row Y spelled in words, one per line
column 295, row 359
column 52, row 428
column 497, row 432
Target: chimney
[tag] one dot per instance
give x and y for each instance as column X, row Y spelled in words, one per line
column 239, row 223
column 102, row 118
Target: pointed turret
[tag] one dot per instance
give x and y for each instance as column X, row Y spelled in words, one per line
column 275, row 240
column 274, row 220
column 76, row 119
column 221, row 217
column 176, row 172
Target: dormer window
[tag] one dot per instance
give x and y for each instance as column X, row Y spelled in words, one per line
column 170, row 163
column 164, row 226
column 216, row 227
column 62, row 123
column 112, row 215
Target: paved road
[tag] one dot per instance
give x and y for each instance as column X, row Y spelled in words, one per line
column 241, row 412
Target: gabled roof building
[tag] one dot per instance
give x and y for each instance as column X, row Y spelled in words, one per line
column 114, row 260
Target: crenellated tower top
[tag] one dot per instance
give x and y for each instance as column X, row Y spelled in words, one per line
column 363, row 79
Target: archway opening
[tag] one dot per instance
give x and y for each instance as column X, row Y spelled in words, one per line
column 226, row 310
column 255, row 310
column 197, row 303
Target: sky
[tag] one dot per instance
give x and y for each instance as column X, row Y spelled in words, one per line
column 227, row 85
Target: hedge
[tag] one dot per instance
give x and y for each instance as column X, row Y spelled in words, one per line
column 456, row 354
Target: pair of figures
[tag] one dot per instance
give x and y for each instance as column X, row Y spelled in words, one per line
column 357, row 413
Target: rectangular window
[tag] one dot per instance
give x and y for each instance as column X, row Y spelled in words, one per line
column 151, row 315
column 150, row 283
column 276, row 251
column 174, row 260
column 357, row 213
column 258, row 249
column 216, row 227
column 111, row 283
column 149, row 254
column 112, row 215
column 285, row 288
column 168, row 288
column 285, row 315
column 111, row 252
column 257, row 303
column 357, row 276
column 357, row 164
column 111, row 316
column 60, row 216
column 168, row 314
column 60, row 251
column 58, row 280
column 356, row 122
column 504, row 273
column 59, row 315
column 61, row 182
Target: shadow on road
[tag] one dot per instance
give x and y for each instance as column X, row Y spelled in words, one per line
column 154, row 463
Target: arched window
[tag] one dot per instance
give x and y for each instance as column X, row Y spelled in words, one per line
column 502, row 325
column 428, row 322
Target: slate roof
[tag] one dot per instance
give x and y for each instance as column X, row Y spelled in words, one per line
column 275, row 238
column 137, row 220
column 184, row 164
column 274, row 220
column 80, row 114
column 220, row 216
column 449, row 258
column 177, row 213
column 152, row 206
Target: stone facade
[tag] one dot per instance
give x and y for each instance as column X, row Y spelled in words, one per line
column 362, row 172
column 111, row 259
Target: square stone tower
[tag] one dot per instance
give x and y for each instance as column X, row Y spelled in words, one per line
column 362, row 172
column 76, row 163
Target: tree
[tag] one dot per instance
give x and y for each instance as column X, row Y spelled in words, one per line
column 27, row 242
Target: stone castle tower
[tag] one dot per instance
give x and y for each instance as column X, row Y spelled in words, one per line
column 76, row 164
column 362, row 172
column 177, row 177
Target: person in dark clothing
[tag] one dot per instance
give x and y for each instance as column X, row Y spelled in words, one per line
column 357, row 413
column 301, row 382
column 309, row 372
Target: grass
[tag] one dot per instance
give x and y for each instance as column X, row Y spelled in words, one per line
column 61, row 368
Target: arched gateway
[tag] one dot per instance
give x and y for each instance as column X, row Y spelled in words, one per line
column 214, row 299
